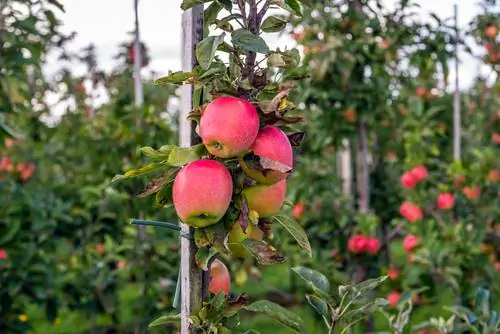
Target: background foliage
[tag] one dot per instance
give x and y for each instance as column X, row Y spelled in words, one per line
column 73, row 262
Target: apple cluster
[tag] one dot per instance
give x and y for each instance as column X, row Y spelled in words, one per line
column 230, row 130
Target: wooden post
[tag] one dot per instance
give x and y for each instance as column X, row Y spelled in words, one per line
column 456, row 96
column 139, row 94
column 363, row 173
column 345, row 167
column 191, row 276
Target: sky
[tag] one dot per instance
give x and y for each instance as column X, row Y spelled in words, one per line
column 107, row 22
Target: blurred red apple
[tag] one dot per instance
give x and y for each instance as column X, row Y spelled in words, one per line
column 445, row 201
column 410, row 211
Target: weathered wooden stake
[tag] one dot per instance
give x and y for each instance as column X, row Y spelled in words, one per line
column 456, row 97
column 345, row 167
column 139, row 95
column 191, row 276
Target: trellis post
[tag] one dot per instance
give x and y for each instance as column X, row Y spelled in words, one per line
column 191, row 276
column 456, row 96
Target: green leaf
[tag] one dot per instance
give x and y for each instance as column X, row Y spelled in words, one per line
column 296, row 231
column 463, row 312
column 217, row 69
column 263, row 252
column 245, row 39
column 226, row 20
column 160, row 154
column 227, row 4
column 369, row 284
column 181, row 156
column 205, row 50
column 165, row 319
column 173, row 78
column 218, row 300
column 318, row 304
column 279, row 313
column 204, row 256
column 136, row 172
column 273, row 24
column 295, row 6
column 10, row 231
column 186, row 4
column 276, row 60
column 313, row 278
column 482, row 301
column 289, row 5
column 210, row 14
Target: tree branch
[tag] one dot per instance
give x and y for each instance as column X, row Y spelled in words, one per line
column 253, row 26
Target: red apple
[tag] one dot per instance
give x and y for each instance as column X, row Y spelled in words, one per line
column 408, row 180
column 491, row 31
column 100, row 249
column 472, row 193
column 488, row 47
column 202, row 192
column 493, row 175
column 495, row 138
column 298, row 210
column 393, row 273
column 357, row 243
column 266, row 200
column 410, row 242
column 419, row 173
column 350, row 115
column 445, row 201
column 459, row 180
column 8, row 143
column 421, row 91
column 391, row 156
column 372, row 246
column 393, row 298
column 220, row 280
column 229, row 126
column 3, row 254
column 410, row 211
column 272, row 144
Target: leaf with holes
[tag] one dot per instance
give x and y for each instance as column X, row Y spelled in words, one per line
column 263, row 252
column 157, row 183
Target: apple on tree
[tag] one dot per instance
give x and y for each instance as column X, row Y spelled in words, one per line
column 220, row 279
column 202, row 192
column 228, row 126
column 271, row 145
column 266, row 200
